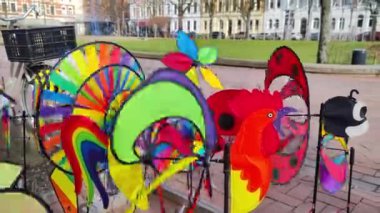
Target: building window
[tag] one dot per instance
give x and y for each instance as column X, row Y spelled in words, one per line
column 271, row 4
column 227, row 6
column 4, row 6
column 316, row 23
column 221, row 25
column 277, row 24
column 188, row 25
column 370, row 22
column 64, row 11
column 220, row 6
column 13, row 7
column 205, row 25
column 360, row 20
column 235, row 5
column 257, row 25
column 24, row 7
column 188, row 8
column 251, row 25
column 341, row 23
column 195, row 7
column 270, row 23
column 52, row 11
column 71, row 11
column 195, row 25
column 175, row 9
column 333, row 23
column 239, row 24
column 278, row 3
column 258, row 4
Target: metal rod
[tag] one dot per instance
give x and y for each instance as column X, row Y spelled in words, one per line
column 303, row 115
column 337, row 149
column 352, row 161
column 24, row 146
column 226, row 176
column 318, row 159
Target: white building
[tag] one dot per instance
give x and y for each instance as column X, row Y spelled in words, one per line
column 227, row 17
column 348, row 18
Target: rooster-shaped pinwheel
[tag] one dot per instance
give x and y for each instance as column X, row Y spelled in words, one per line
column 270, row 145
column 189, row 60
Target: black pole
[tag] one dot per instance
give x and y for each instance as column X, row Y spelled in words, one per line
column 318, row 158
column 24, row 145
column 352, row 161
column 226, row 176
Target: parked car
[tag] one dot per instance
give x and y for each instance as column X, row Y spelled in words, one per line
column 262, row 36
column 314, row 36
column 192, row 35
column 239, row 35
column 366, row 36
column 253, row 36
column 296, row 36
column 218, row 35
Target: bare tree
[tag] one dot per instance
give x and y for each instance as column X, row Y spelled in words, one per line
column 374, row 8
column 322, row 55
column 246, row 7
column 210, row 9
column 308, row 22
column 181, row 6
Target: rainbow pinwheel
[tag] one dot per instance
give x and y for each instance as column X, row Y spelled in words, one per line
column 190, row 60
column 153, row 101
column 74, row 121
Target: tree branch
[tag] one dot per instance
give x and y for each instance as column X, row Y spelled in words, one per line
column 188, row 5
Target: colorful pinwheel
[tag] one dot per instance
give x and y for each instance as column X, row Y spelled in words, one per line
column 153, row 101
column 74, row 121
column 6, row 111
column 342, row 118
column 190, row 60
column 270, row 145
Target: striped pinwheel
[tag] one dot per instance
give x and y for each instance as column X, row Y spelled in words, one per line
column 189, row 60
column 73, row 121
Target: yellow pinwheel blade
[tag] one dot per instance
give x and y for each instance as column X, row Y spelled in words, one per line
column 211, row 78
column 192, row 75
column 9, row 174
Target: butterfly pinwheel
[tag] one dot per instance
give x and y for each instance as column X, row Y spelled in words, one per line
column 189, row 59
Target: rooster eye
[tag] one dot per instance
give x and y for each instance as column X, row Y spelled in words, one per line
column 226, row 121
column 270, row 115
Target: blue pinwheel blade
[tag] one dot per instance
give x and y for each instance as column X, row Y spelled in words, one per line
column 187, row 46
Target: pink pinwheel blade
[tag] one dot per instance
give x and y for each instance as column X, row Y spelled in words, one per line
column 177, row 61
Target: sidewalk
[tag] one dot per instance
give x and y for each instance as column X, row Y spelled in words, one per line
column 297, row 195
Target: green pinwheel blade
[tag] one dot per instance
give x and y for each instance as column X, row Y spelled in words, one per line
column 149, row 104
column 207, row 55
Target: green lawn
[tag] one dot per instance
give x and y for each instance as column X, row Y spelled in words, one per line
column 339, row 52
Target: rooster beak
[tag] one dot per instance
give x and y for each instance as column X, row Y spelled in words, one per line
column 280, row 114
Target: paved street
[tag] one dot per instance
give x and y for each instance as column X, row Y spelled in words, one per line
column 296, row 196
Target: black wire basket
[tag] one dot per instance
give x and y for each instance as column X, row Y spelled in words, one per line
column 38, row 44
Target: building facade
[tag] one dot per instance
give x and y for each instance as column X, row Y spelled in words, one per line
column 348, row 18
column 285, row 18
column 227, row 17
column 51, row 12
